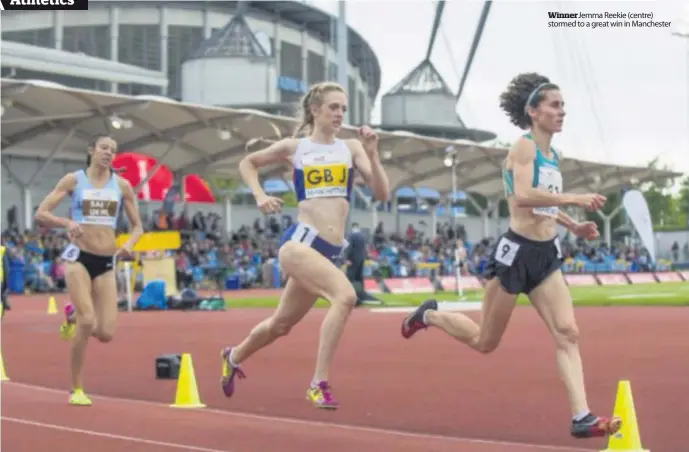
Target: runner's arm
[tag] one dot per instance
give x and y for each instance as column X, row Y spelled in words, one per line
column 277, row 153
column 131, row 209
column 371, row 169
column 523, row 156
column 565, row 220
column 44, row 214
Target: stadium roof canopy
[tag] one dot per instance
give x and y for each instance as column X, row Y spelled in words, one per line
column 48, row 121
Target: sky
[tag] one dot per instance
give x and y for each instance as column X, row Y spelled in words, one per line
column 626, row 90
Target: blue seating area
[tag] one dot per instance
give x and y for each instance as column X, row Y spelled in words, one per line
column 609, row 263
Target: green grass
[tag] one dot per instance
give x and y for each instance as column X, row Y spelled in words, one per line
column 666, row 294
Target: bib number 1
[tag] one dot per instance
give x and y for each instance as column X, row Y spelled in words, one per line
column 304, row 234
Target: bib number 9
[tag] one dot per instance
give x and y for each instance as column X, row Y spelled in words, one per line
column 506, row 251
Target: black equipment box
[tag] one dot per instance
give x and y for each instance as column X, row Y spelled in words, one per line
column 167, row 366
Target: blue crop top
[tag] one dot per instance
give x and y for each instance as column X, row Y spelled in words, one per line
column 96, row 206
column 322, row 170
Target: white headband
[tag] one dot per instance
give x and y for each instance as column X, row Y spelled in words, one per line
column 533, row 94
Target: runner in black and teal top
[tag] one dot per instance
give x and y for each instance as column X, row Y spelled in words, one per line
column 546, row 175
column 527, row 258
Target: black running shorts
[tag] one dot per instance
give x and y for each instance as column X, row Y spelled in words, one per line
column 95, row 264
column 522, row 264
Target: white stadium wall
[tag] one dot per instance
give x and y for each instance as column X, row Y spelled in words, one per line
column 419, row 109
column 222, row 81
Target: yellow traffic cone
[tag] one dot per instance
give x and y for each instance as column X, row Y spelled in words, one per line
column 3, row 375
column 52, row 306
column 627, row 439
column 187, row 395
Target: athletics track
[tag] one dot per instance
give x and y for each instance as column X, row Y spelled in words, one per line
column 426, row 394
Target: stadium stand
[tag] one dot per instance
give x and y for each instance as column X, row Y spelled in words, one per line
column 249, row 257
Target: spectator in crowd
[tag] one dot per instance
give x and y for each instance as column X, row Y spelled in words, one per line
column 4, row 272
column 208, row 253
column 355, row 256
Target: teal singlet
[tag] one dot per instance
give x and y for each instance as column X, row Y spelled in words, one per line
column 546, row 176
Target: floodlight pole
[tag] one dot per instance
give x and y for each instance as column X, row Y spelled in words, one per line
column 453, row 199
column 342, row 45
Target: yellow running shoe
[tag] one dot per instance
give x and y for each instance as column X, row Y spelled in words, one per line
column 67, row 331
column 77, row 397
column 68, row 327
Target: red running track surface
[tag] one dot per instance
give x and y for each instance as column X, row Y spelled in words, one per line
column 429, row 393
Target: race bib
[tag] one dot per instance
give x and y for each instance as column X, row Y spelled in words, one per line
column 304, row 234
column 326, row 180
column 99, row 206
column 550, row 179
column 558, row 247
column 70, row 253
column 307, row 234
column 506, row 251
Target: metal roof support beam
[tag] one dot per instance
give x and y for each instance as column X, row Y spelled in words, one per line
column 474, row 46
column 436, row 25
column 491, row 158
column 48, row 126
column 492, row 204
column 612, row 215
column 13, row 177
column 162, row 136
column 201, row 164
column 52, row 155
column 284, row 179
column 48, row 118
column 587, row 175
column 366, row 199
column 29, row 111
column 607, row 220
